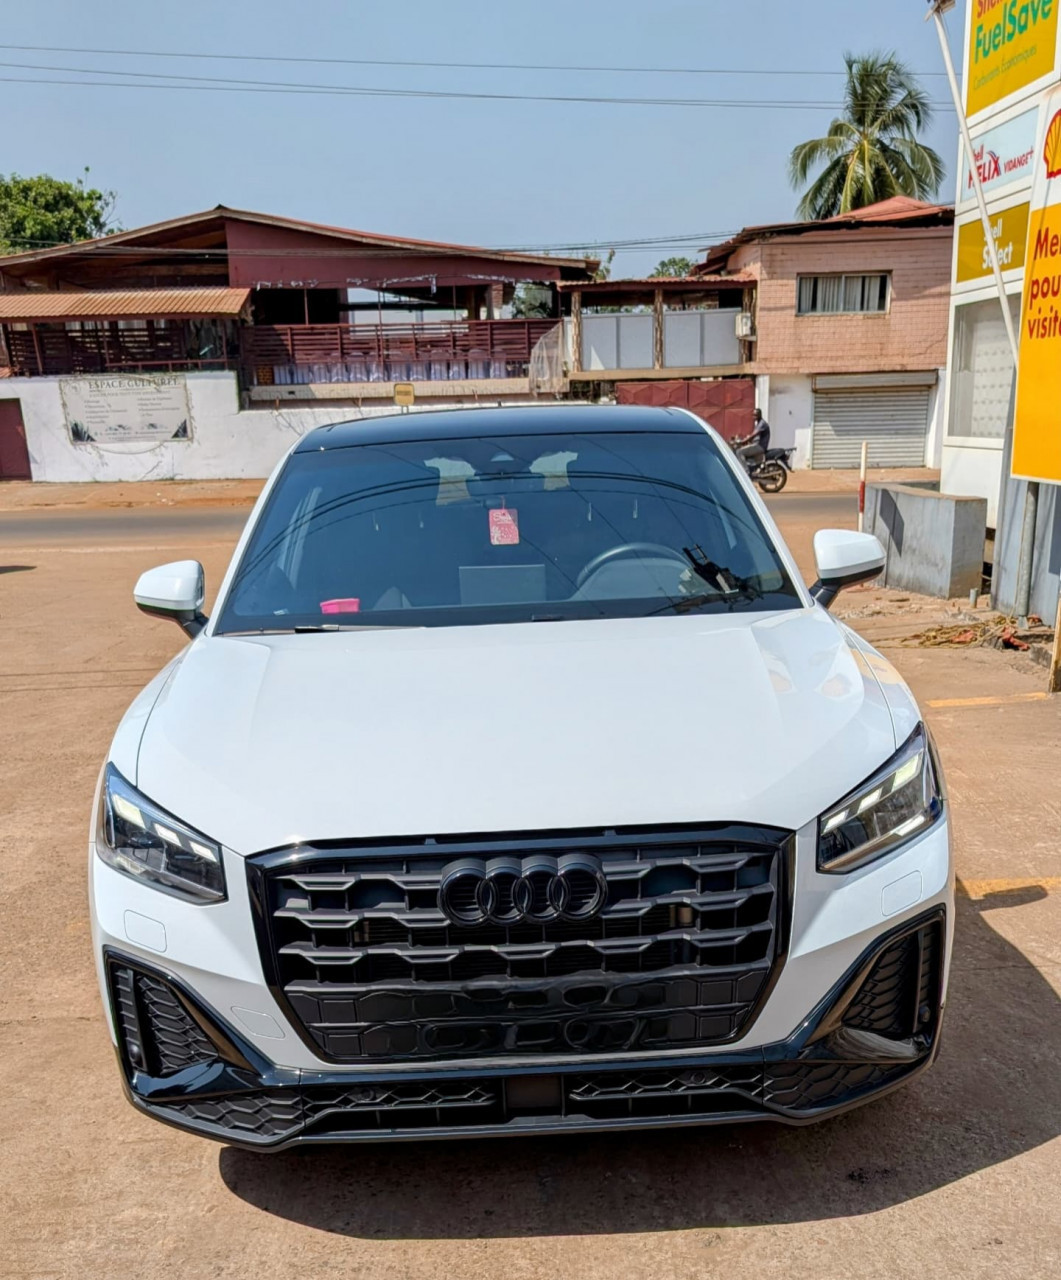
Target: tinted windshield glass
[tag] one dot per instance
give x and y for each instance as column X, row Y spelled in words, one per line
column 505, row 529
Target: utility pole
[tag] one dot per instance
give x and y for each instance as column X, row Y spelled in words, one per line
column 937, row 8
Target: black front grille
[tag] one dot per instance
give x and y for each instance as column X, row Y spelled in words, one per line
column 681, row 955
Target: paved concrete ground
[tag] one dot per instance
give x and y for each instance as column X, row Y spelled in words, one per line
column 956, row 1175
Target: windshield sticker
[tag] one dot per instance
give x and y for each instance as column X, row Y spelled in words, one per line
column 504, row 528
column 351, row 605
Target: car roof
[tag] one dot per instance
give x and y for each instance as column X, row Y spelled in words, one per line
column 513, row 420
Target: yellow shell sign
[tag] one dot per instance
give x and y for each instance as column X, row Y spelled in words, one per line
column 1012, row 43
column 1037, row 427
column 1010, row 231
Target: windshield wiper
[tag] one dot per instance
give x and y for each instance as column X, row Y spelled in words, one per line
column 727, row 587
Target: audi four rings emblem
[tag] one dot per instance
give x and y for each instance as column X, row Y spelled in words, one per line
column 507, row 891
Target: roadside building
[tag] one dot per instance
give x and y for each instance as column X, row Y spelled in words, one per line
column 846, row 330
column 667, row 342
column 199, row 347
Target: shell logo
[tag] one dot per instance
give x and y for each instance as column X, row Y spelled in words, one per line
column 1053, row 148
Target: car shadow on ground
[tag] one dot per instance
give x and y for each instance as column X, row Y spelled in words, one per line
column 994, row 1094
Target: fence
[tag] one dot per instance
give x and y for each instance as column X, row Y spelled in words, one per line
column 469, row 350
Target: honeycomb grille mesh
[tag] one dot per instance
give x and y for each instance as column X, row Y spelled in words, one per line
column 902, row 985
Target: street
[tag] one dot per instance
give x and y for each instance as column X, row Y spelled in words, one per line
column 955, row 1175
column 98, row 526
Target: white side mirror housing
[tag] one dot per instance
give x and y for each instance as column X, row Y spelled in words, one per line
column 844, row 559
column 174, row 591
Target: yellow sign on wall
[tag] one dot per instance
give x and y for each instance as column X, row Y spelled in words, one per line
column 1012, row 43
column 1010, row 231
column 1037, row 427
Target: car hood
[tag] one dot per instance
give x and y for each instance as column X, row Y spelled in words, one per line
column 265, row 741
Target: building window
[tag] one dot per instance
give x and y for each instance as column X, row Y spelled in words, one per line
column 981, row 370
column 840, row 295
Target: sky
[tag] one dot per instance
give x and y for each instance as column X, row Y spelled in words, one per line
column 502, row 173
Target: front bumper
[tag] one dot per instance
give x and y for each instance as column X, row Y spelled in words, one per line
column 876, row 1029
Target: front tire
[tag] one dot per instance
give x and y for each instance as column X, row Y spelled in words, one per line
column 772, row 478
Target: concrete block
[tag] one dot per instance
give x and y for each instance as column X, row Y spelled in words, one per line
column 934, row 541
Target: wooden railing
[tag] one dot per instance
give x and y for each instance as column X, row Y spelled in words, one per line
column 56, row 351
column 474, row 349
column 291, row 354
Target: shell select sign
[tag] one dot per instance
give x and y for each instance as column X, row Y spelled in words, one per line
column 1012, row 43
column 1010, row 231
column 1037, row 427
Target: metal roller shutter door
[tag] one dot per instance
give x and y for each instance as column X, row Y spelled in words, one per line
column 894, row 420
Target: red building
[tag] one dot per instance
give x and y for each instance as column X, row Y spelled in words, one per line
column 285, row 302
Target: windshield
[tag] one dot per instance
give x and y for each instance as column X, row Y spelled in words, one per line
column 504, row 529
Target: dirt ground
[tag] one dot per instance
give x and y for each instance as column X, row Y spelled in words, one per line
column 955, row 1176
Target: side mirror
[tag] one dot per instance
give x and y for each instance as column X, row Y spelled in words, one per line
column 844, row 559
column 174, row 591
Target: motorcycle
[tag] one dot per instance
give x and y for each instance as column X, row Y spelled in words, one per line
column 771, row 471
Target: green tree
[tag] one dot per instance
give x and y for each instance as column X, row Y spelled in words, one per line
column 604, row 271
column 532, row 302
column 674, row 267
column 41, row 211
column 871, row 152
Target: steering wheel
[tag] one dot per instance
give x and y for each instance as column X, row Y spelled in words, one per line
column 628, row 549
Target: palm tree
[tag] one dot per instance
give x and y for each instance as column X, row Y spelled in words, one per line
column 871, row 152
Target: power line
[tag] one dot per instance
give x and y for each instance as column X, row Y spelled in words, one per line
column 581, row 248
column 340, row 91
column 457, row 66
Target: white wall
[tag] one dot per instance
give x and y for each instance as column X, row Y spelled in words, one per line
column 974, row 471
column 788, row 405
column 937, row 423
column 691, row 339
column 226, row 443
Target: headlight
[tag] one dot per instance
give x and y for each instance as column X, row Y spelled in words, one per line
column 896, row 804
column 146, row 842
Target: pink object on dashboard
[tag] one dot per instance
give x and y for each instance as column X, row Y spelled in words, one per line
column 341, row 606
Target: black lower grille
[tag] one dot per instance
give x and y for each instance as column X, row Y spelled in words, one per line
column 269, row 1114
column 725, row 1090
column 159, row 1034
column 808, row 1086
column 683, row 951
column 899, row 997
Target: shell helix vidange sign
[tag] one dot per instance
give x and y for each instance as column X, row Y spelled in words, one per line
column 1012, row 44
column 1037, row 426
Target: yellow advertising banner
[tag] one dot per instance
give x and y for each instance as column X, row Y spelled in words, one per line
column 1010, row 231
column 1037, row 427
column 1012, row 43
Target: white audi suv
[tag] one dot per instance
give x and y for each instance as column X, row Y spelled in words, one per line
column 517, row 783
